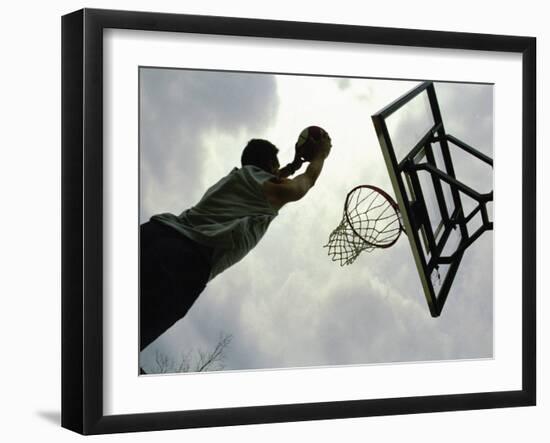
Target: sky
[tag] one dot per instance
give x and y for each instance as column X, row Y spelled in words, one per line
column 287, row 304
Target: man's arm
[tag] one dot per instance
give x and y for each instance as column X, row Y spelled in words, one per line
column 291, row 168
column 280, row 192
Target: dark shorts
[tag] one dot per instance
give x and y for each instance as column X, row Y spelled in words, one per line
column 173, row 273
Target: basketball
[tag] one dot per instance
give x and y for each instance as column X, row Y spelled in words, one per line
column 306, row 143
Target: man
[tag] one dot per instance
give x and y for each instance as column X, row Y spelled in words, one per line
column 179, row 255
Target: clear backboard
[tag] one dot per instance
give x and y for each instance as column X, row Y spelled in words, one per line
column 437, row 209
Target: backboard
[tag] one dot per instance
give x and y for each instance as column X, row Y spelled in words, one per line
column 431, row 200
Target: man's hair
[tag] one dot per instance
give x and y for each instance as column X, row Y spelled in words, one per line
column 260, row 153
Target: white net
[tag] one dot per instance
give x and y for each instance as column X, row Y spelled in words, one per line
column 371, row 220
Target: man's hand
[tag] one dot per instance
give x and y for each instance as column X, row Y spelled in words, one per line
column 291, row 168
column 283, row 191
column 322, row 148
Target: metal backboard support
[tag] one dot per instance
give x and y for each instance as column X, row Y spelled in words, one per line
column 430, row 196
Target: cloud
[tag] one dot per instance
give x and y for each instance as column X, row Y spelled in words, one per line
column 468, row 112
column 178, row 107
column 468, row 115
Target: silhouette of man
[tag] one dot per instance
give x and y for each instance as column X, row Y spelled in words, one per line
column 180, row 254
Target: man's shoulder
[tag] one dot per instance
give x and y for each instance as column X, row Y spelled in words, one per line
column 254, row 174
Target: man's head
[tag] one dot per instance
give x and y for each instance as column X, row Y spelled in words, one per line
column 262, row 154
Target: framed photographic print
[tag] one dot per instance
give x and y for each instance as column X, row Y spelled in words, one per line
column 268, row 221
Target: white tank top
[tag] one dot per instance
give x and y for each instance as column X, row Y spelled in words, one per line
column 231, row 218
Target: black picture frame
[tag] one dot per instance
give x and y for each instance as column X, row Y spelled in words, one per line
column 82, row 218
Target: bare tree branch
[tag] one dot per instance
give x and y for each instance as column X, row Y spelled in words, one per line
column 163, row 362
column 208, row 361
column 201, row 361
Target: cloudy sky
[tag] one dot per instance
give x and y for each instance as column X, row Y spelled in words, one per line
column 287, row 304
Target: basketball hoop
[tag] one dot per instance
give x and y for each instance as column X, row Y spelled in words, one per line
column 371, row 220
